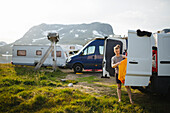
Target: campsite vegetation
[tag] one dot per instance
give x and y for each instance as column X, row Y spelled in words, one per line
column 24, row 90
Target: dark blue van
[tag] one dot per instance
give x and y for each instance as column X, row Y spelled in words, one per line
column 89, row 57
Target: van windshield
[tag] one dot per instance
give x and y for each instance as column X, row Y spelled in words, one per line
column 83, row 48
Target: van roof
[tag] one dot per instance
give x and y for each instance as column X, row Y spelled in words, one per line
column 35, row 45
column 99, row 38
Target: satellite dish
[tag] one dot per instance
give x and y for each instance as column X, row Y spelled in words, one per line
column 53, row 37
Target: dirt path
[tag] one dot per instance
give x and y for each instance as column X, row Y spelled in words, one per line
column 72, row 76
column 103, row 86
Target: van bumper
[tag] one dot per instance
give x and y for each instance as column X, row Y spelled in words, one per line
column 68, row 65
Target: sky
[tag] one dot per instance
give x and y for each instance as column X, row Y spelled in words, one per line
column 18, row 16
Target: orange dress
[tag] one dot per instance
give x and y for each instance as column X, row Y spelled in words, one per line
column 122, row 70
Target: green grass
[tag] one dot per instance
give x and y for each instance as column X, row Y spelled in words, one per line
column 23, row 90
column 89, row 79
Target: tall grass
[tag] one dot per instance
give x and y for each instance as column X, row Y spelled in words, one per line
column 23, row 90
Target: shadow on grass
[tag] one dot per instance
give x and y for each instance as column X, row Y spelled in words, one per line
column 154, row 103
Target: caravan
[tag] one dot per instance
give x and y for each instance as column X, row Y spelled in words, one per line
column 31, row 55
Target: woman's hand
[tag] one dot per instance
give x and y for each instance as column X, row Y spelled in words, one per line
column 115, row 65
column 118, row 63
column 124, row 56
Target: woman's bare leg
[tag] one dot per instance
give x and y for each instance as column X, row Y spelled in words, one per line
column 129, row 94
column 119, row 92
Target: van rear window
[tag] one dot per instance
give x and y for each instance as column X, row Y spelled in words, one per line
column 21, row 52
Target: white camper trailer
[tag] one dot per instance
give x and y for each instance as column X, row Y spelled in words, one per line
column 31, row 55
column 72, row 49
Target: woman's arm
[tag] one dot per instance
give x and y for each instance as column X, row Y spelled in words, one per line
column 115, row 65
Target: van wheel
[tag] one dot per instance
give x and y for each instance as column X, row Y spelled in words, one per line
column 78, row 68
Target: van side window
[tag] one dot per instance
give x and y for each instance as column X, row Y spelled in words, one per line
column 21, row 52
column 101, row 50
column 89, row 50
column 38, row 52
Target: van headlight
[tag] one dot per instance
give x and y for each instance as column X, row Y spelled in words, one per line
column 69, row 59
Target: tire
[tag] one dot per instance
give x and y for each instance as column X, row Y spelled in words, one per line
column 78, row 68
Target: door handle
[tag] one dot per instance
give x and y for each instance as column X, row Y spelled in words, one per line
column 164, row 62
column 133, row 62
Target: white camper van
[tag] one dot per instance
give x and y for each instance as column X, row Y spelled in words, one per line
column 148, row 61
column 31, row 55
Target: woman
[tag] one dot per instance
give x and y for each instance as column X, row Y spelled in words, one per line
column 115, row 62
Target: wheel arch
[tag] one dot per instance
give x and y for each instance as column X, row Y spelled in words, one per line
column 78, row 63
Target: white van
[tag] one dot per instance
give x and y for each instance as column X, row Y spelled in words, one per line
column 31, row 55
column 148, row 61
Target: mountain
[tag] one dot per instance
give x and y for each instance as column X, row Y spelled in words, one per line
column 2, row 43
column 69, row 34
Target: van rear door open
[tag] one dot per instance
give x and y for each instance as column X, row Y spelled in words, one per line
column 163, row 46
column 110, row 42
column 139, row 60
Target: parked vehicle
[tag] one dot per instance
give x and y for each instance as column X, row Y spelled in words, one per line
column 89, row 57
column 72, row 48
column 148, row 62
column 31, row 55
column 110, row 42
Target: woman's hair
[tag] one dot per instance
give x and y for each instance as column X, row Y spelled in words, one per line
column 116, row 47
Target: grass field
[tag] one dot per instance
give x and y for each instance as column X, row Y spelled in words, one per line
column 23, row 90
